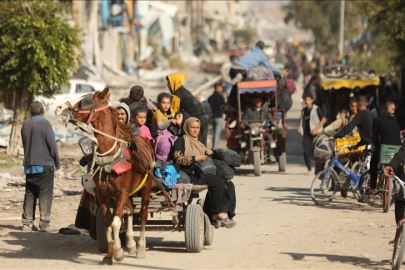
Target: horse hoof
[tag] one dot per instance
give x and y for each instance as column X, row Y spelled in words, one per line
column 140, row 254
column 132, row 250
column 119, row 255
column 106, row 261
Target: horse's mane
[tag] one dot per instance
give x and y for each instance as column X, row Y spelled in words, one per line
column 123, row 129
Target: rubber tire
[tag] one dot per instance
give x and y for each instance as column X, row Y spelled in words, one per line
column 208, row 231
column 100, row 232
column 256, row 163
column 363, row 194
column 194, row 228
column 282, row 162
column 316, row 182
column 398, row 253
column 356, row 193
column 387, row 199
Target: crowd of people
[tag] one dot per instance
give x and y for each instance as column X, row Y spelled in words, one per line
column 176, row 116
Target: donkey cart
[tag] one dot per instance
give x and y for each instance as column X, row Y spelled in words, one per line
column 188, row 217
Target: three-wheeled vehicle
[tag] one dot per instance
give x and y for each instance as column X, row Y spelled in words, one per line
column 341, row 82
column 262, row 142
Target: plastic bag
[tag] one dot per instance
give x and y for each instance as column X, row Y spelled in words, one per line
column 224, row 171
column 230, row 157
column 171, row 176
column 205, row 168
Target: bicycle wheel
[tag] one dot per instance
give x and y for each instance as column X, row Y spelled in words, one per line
column 387, row 199
column 357, row 170
column 324, row 194
column 399, row 248
column 374, row 200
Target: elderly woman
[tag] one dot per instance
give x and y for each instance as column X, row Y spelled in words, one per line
column 220, row 200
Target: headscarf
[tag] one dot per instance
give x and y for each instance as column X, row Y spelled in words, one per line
column 192, row 146
column 176, row 80
column 124, row 106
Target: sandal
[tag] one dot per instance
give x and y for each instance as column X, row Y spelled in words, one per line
column 68, row 231
column 227, row 223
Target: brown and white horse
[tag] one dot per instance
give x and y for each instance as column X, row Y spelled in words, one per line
column 94, row 109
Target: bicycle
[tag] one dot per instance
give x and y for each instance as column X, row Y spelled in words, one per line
column 399, row 241
column 384, row 196
column 329, row 185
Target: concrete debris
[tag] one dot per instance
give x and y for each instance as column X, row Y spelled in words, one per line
column 16, row 181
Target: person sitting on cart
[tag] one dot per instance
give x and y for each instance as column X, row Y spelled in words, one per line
column 385, row 131
column 220, row 200
column 253, row 58
column 259, row 113
column 344, row 119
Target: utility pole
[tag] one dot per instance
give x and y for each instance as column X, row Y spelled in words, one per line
column 342, row 27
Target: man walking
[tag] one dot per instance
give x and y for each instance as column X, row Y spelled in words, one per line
column 311, row 123
column 217, row 103
column 41, row 159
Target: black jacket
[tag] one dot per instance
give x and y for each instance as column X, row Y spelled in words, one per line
column 386, row 130
column 186, row 163
column 364, row 121
column 398, row 158
column 189, row 103
column 217, row 103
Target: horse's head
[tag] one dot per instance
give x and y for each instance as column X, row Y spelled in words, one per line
column 84, row 109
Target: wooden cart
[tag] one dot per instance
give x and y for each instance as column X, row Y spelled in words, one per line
column 188, row 217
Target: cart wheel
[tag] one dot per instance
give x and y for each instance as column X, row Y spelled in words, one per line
column 256, row 163
column 100, row 232
column 194, row 231
column 282, row 162
column 208, row 231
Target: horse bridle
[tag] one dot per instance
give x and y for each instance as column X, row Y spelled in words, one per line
column 90, row 108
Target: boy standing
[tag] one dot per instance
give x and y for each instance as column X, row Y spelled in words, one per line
column 311, row 123
column 385, row 131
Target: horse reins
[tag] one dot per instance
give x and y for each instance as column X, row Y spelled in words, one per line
column 87, row 129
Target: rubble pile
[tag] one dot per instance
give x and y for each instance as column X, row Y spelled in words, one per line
column 67, row 186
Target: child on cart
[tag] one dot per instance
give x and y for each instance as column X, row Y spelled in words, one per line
column 160, row 119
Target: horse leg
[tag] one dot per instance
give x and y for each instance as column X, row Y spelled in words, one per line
column 140, row 254
column 105, row 207
column 131, row 245
column 116, row 225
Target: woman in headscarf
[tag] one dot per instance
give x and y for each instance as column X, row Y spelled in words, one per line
column 220, row 200
column 182, row 99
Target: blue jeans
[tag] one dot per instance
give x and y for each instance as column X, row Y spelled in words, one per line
column 217, row 125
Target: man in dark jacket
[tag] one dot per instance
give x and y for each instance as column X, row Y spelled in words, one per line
column 182, row 99
column 385, row 131
column 217, row 102
column 363, row 121
column 41, row 159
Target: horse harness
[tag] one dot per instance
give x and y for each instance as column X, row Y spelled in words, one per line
column 103, row 162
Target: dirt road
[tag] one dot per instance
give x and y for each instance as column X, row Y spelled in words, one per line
column 278, row 227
